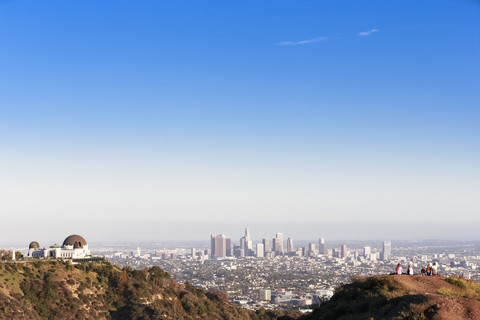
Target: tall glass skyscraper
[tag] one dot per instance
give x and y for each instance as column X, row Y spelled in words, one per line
column 218, row 246
column 266, row 245
column 279, row 243
column 387, row 250
column 290, row 245
column 343, row 251
column 322, row 249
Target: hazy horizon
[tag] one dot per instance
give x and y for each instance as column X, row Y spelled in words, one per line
column 169, row 120
column 131, row 232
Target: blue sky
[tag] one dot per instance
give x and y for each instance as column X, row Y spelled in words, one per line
column 228, row 113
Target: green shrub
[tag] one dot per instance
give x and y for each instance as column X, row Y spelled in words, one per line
column 457, row 282
column 467, row 288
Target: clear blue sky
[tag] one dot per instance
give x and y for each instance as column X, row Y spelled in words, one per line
column 209, row 116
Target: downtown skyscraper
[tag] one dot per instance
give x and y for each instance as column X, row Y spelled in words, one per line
column 246, row 243
column 266, row 245
column 218, row 246
column 322, row 249
column 387, row 250
column 290, row 247
column 278, row 244
column 343, row 251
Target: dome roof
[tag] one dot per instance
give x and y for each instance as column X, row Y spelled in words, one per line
column 75, row 240
column 34, row 245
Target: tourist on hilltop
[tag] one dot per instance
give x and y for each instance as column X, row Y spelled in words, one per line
column 434, row 269
column 398, row 270
column 428, row 271
column 410, row 270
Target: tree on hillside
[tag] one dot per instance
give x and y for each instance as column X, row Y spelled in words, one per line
column 5, row 255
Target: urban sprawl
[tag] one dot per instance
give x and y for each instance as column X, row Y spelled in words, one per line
column 267, row 274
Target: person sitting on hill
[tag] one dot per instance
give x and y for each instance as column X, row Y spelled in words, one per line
column 410, row 270
column 428, row 271
column 398, row 270
column 434, row 269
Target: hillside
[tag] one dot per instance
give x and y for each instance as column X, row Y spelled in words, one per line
column 55, row 290
column 403, row 297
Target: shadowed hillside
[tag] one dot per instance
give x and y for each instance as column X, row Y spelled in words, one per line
column 402, row 297
column 55, row 290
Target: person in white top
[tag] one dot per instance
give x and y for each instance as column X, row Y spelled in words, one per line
column 434, row 269
column 410, row 270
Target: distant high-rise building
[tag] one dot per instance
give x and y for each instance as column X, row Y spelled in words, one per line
column 248, row 240
column 387, row 250
column 247, row 234
column 264, row 295
column 366, row 251
column 290, row 247
column 311, row 249
column 279, row 243
column 322, row 249
column 228, row 247
column 243, row 243
column 213, row 240
column 266, row 245
column 343, row 251
column 277, row 246
column 218, row 245
column 260, row 252
column 300, row 252
column 238, row 252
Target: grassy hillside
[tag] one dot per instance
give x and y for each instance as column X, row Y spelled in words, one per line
column 402, row 297
column 55, row 290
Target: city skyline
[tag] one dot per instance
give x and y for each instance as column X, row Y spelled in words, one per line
column 174, row 120
column 222, row 247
